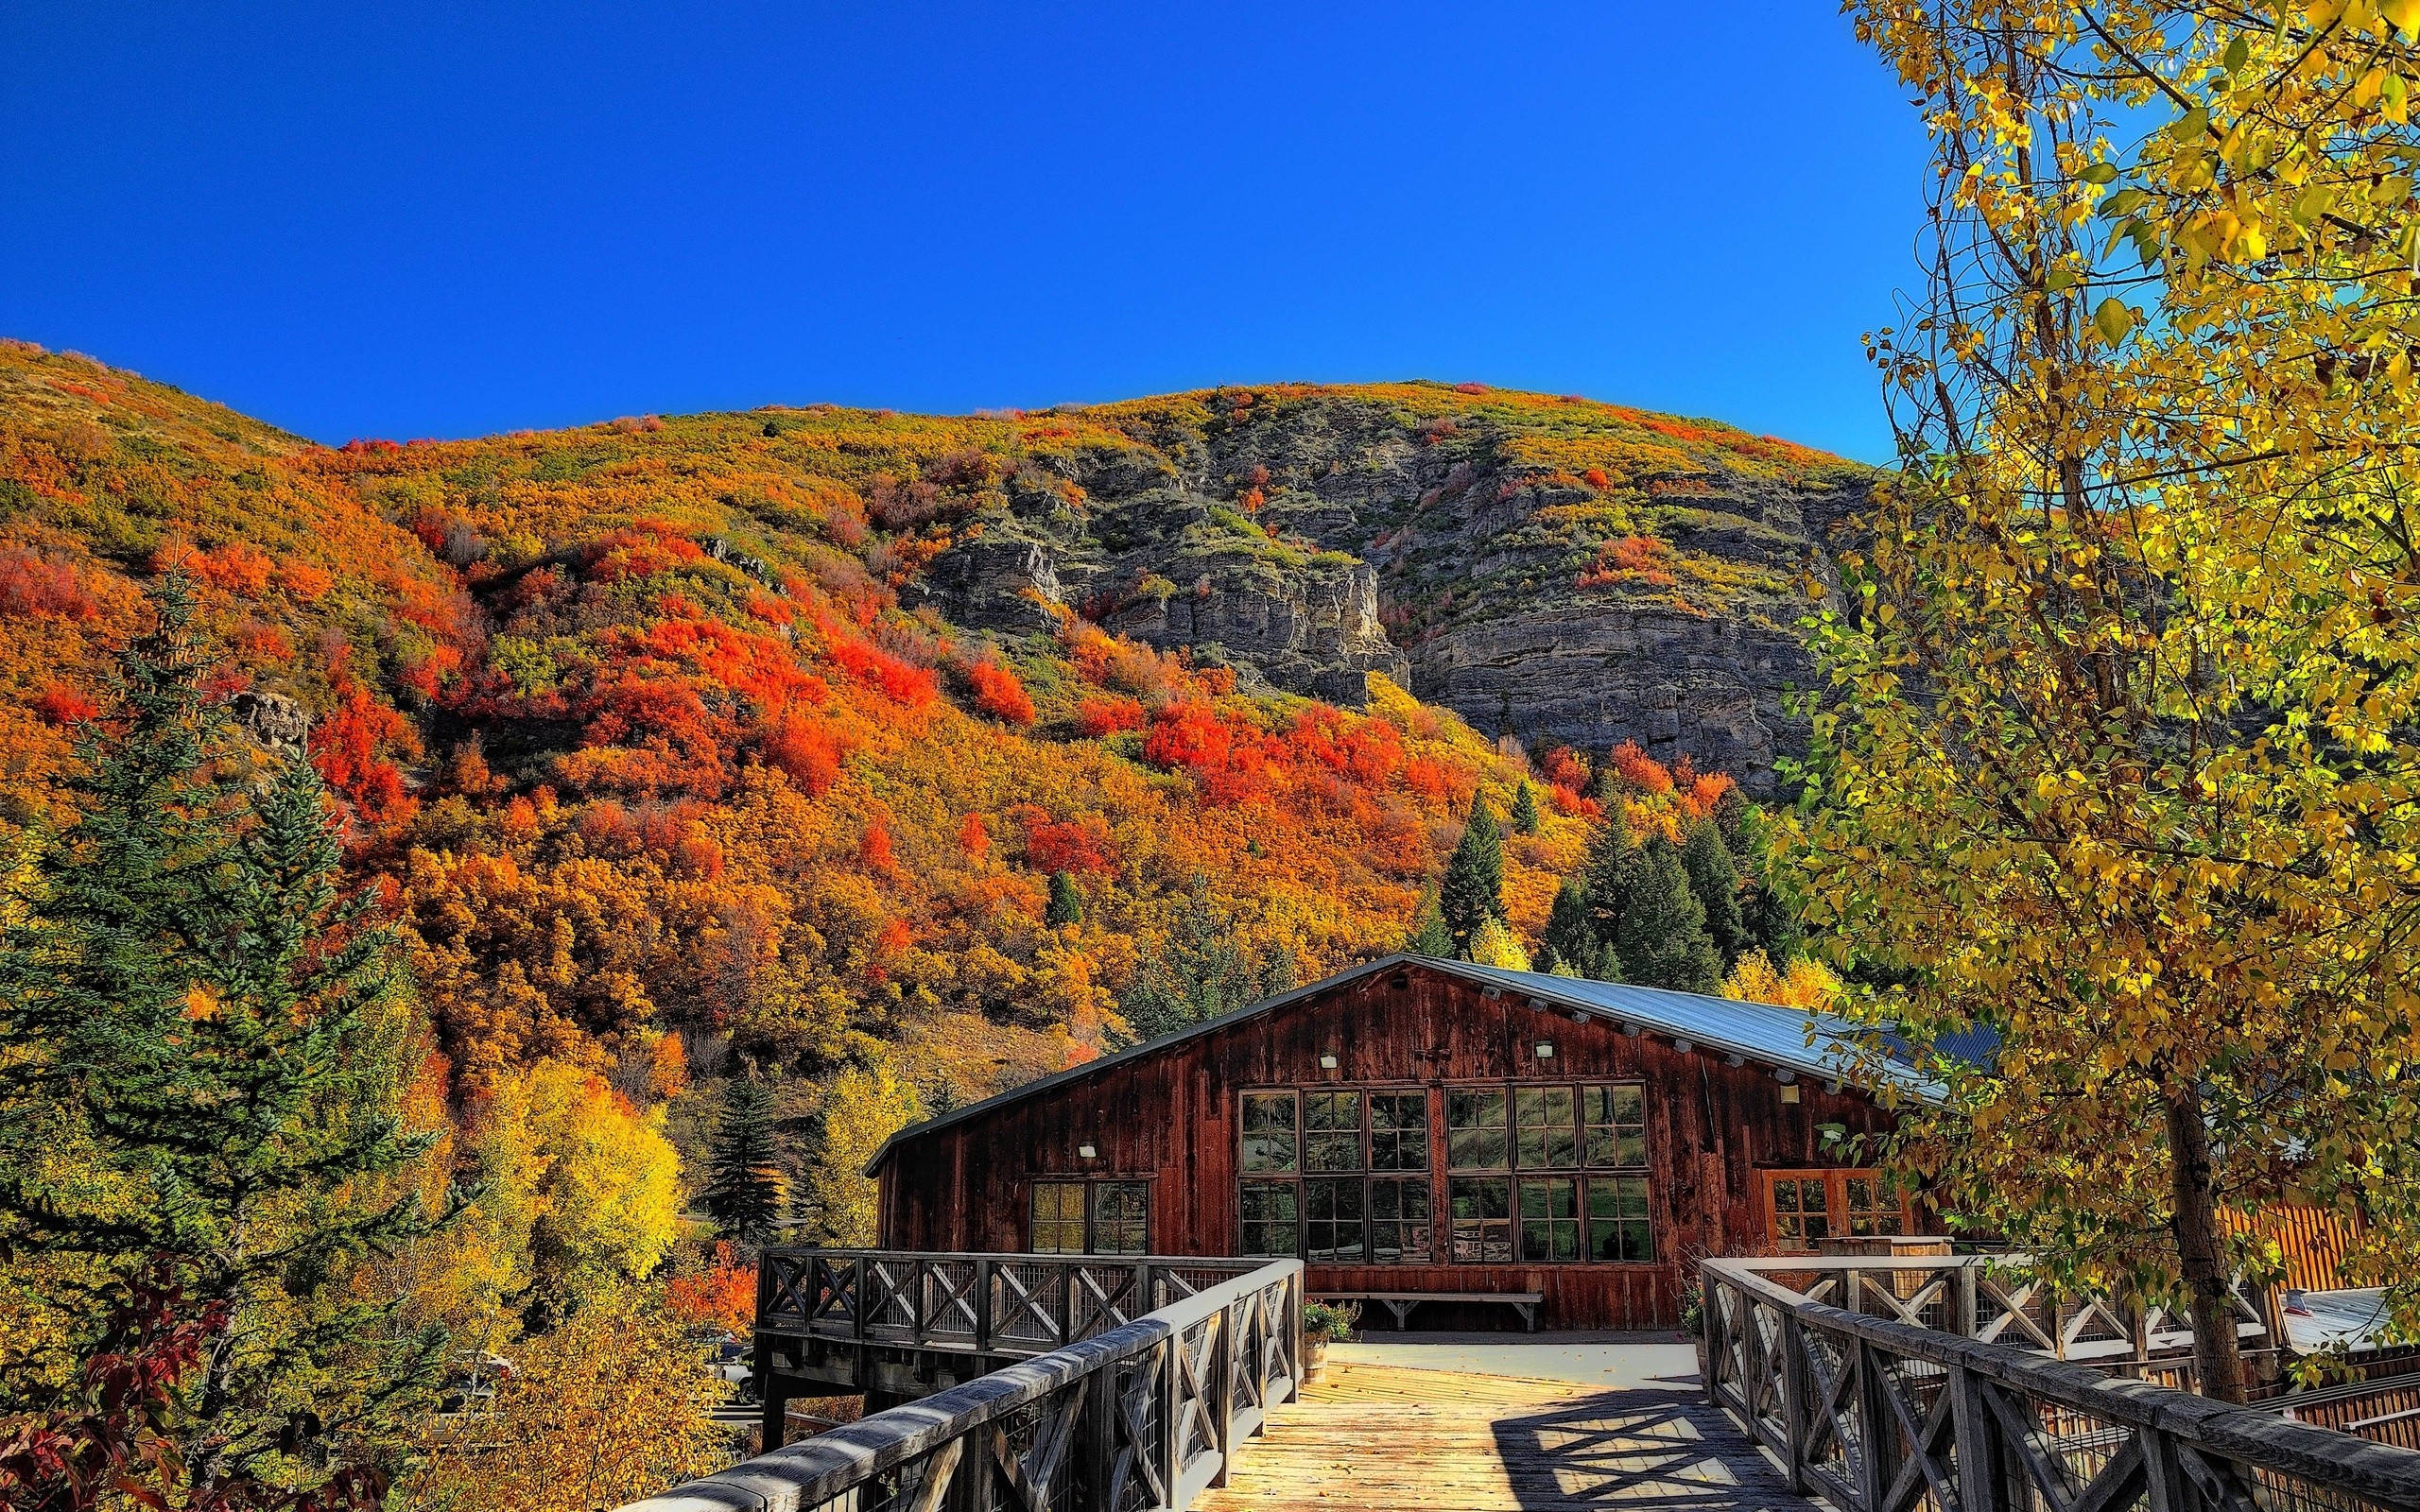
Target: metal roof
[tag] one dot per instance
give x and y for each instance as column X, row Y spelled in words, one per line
column 1786, row 1038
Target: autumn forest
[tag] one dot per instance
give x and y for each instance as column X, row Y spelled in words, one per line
column 709, row 853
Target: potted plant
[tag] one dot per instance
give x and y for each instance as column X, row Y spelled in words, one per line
column 1693, row 1324
column 1321, row 1322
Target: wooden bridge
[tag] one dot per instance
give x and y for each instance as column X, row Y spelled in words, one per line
column 1878, row 1386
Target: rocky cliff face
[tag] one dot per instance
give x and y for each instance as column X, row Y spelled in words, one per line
column 1551, row 569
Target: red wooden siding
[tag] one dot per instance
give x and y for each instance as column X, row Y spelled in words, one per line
column 1171, row 1117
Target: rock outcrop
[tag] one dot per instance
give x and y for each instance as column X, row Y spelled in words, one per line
column 1310, row 537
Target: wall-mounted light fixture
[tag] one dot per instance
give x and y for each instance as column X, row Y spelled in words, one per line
column 1734, row 1060
column 1832, row 1087
column 1539, row 1004
column 1633, row 1031
column 1684, row 1046
column 1327, row 1062
column 1579, row 1015
column 1086, row 1152
column 1784, row 1076
column 1545, row 1049
column 1491, row 991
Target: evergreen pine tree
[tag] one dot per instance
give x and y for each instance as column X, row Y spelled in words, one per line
column 1706, row 862
column 1605, row 876
column 1066, row 903
column 205, row 1040
column 1428, row 935
column 1570, row 945
column 1663, row 940
column 743, row 1177
column 1200, row 973
column 1524, row 809
column 1473, row 890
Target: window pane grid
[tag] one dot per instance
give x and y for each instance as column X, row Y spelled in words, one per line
column 1313, row 1187
column 1059, row 1217
column 1614, row 1119
column 1475, row 1138
column 1549, row 1219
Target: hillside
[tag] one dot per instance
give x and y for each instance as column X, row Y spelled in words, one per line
column 776, row 728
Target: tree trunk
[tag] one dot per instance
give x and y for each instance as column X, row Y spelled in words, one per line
column 2199, row 1248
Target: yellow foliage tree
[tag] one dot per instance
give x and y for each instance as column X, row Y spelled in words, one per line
column 861, row 1110
column 2119, row 758
column 579, row 1179
column 610, row 1407
column 1492, row 944
column 1805, row 983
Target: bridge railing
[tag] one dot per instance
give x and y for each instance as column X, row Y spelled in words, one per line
column 1877, row 1412
column 1144, row 1413
column 983, row 1304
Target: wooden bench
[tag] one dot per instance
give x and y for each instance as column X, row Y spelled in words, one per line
column 1401, row 1303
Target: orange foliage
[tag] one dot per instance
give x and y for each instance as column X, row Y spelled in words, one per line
column 1095, row 718
column 1630, row 560
column 723, row 1295
column 1638, row 770
column 1000, row 694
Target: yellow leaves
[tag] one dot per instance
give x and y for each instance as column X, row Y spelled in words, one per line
column 2112, row 319
column 2404, row 16
column 202, row 1004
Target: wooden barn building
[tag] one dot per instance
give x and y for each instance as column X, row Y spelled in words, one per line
column 1423, row 1133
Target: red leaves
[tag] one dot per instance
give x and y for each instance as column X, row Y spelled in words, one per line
column 347, row 748
column 1637, row 769
column 1081, row 844
column 1096, row 717
column 32, row 585
column 108, row 1444
column 895, row 679
column 64, row 706
column 1000, row 694
column 640, row 549
column 806, row 751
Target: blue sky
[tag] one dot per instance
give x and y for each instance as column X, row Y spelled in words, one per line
column 471, row 218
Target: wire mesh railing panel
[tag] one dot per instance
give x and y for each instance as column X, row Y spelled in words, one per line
column 1029, row 1303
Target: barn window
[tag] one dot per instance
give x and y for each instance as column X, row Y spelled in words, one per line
column 1802, row 1214
column 1399, row 1218
column 1092, row 1217
column 1399, row 1133
column 1872, row 1207
column 1481, row 1210
column 1331, row 1131
column 1332, row 1218
column 1121, row 1218
column 1268, row 1133
column 1269, row 1218
column 1615, row 1122
column 1808, row 1207
column 1544, row 1120
column 1549, row 1218
column 1059, row 1217
column 1475, row 1130
column 1619, row 1230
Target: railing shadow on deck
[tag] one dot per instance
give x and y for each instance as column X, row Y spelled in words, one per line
column 1884, row 1414
column 1641, row 1449
column 1142, row 1415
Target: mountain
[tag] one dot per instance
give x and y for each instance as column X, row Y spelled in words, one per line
column 1561, row 570
column 808, row 731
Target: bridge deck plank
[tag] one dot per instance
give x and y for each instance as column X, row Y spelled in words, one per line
column 1395, row 1439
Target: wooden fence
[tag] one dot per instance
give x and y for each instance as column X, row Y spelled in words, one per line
column 1945, row 1400
column 1140, row 1411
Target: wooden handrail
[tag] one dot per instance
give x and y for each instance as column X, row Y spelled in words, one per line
column 1155, row 1404
column 1875, row 1412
